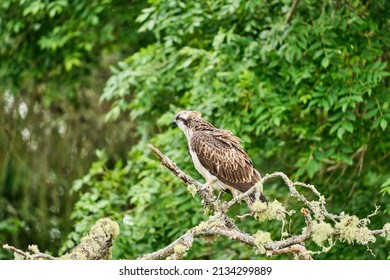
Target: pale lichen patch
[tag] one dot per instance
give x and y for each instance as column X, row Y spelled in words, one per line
column 260, row 238
column 180, row 250
column 269, row 211
column 321, row 232
column 386, row 233
column 192, row 190
column 352, row 230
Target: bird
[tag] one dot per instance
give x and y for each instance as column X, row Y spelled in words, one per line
column 218, row 156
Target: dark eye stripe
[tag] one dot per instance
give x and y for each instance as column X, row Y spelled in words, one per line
column 182, row 119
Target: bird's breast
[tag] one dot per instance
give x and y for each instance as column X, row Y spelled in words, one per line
column 199, row 167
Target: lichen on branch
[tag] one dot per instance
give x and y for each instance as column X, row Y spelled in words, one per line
column 96, row 245
column 321, row 225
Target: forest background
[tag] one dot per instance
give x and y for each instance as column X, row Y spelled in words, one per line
column 87, row 85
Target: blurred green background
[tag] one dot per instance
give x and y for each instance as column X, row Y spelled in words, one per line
column 86, row 85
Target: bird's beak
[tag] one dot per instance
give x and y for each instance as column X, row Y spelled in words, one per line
column 173, row 123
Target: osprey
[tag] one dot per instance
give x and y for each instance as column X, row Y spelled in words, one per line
column 218, row 155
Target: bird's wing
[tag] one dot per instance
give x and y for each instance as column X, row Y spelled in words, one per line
column 222, row 155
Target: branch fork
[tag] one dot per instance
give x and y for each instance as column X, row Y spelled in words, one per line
column 220, row 224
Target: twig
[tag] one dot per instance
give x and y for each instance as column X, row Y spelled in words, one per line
column 296, row 239
column 313, row 206
column 241, row 217
column 186, row 240
column 361, row 13
column 205, row 193
column 375, row 212
column 377, row 231
column 291, row 11
column 300, row 250
column 27, row 255
column 208, row 228
column 241, row 197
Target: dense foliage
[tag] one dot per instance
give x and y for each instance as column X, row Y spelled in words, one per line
column 54, row 62
column 306, row 89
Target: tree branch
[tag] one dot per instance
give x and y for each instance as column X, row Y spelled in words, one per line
column 96, row 245
column 221, row 225
column 301, row 251
column 291, row 12
column 19, row 254
column 205, row 193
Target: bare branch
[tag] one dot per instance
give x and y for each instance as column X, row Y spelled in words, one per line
column 317, row 207
column 241, row 196
column 230, row 231
column 291, row 11
column 97, row 244
column 300, row 250
column 205, row 193
column 27, row 255
column 186, row 240
column 378, row 231
column 221, row 225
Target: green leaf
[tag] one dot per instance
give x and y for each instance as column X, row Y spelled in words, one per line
column 334, row 127
column 312, row 168
column 277, row 121
column 371, row 113
column 386, row 183
column 77, row 184
column 383, row 124
column 325, row 62
column 318, row 53
column 348, row 160
column 348, row 126
column 340, row 132
column 71, row 61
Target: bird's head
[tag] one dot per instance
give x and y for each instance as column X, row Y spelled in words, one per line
column 186, row 120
